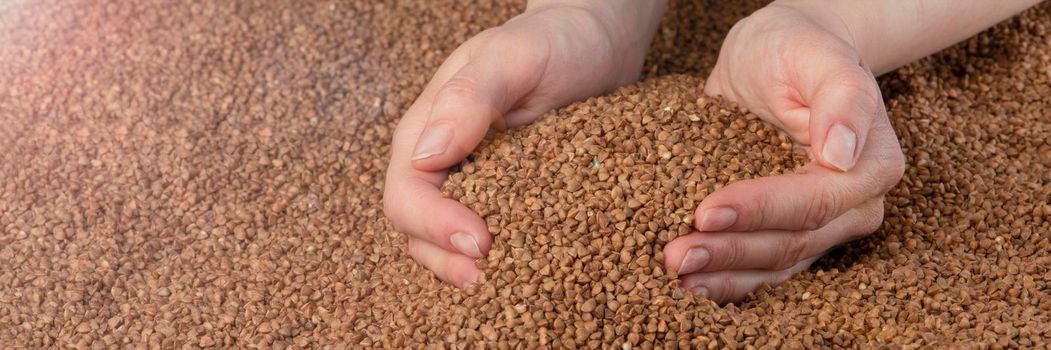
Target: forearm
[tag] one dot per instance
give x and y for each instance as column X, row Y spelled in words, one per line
column 890, row 34
column 634, row 15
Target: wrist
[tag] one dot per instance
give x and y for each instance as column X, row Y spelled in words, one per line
column 628, row 24
column 830, row 18
column 889, row 34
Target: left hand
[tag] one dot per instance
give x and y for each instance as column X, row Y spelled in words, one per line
column 807, row 79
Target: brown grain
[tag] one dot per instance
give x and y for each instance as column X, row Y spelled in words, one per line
column 210, row 174
column 582, row 202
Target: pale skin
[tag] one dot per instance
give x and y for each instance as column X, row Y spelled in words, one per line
column 806, row 66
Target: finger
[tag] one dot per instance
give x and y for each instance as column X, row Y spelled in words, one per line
column 808, row 199
column 411, row 198
column 768, row 250
column 472, row 100
column 838, row 96
column 841, row 112
column 417, row 208
column 456, row 269
column 734, row 285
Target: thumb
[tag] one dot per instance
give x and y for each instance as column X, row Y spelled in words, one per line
column 468, row 104
column 843, row 104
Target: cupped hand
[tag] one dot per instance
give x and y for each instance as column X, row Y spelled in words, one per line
column 806, row 78
column 549, row 56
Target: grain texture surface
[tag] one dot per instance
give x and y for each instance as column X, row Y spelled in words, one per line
column 209, row 174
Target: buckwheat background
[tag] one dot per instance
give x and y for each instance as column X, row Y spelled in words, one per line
column 210, row 174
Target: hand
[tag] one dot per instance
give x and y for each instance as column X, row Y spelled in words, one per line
column 550, row 55
column 807, row 79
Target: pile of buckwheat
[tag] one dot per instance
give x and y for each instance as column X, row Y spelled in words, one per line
column 209, row 174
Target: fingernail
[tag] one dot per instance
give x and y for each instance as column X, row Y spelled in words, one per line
column 702, row 291
column 694, row 260
column 434, row 141
column 465, row 244
column 839, row 147
column 716, row 219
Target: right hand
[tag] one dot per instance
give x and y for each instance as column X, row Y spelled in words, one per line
column 506, row 76
column 797, row 72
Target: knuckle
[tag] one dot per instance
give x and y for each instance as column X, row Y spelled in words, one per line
column 822, row 209
column 894, row 168
column 782, row 276
column 890, row 168
column 458, row 88
column 390, row 210
column 734, row 253
column 487, row 35
column 859, row 84
column 873, row 220
column 746, row 27
column 792, row 251
column 414, row 250
column 451, row 271
column 725, row 289
column 873, row 183
column 397, row 207
column 759, row 213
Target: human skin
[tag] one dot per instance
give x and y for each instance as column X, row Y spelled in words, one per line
column 504, row 77
column 807, row 67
